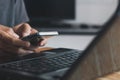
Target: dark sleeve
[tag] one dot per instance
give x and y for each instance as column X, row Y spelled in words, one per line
column 20, row 12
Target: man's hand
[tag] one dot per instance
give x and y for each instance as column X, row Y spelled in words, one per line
column 24, row 29
column 10, row 42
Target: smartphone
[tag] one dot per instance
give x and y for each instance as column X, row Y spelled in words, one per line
column 34, row 39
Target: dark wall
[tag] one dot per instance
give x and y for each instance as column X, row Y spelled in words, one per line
column 55, row 9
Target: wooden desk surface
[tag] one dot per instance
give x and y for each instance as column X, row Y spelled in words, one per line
column 103, row 59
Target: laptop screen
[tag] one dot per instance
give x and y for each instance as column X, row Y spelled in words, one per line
column 99, row 58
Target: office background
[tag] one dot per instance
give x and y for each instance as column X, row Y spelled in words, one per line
column 90, row 12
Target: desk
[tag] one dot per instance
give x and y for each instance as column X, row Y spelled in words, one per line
column 79, row 42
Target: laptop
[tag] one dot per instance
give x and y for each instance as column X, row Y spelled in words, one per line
column 55, row 64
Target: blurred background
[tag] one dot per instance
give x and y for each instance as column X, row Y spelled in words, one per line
column 77, row 21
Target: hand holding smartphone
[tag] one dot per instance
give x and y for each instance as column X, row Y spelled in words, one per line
column 34, row 39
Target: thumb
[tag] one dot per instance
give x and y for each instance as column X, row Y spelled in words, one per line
column 25, row 29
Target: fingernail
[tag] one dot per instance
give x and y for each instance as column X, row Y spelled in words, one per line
column 27, row 44
column 41, row 44
column 25, row 34
column 16, row 36
column 30, row 51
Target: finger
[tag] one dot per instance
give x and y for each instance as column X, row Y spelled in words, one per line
column 14, row 50
column 21, row 51
column 17, row 29
column 25, row 29
column 18, row 51
column 13, row 41
column 43, row 42
column 33, row 31
column 2, row 27
column 9, row 30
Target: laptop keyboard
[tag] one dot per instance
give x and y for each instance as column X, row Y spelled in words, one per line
column 62, row 58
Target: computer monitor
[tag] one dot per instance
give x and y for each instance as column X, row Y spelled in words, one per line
column 50, row 10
